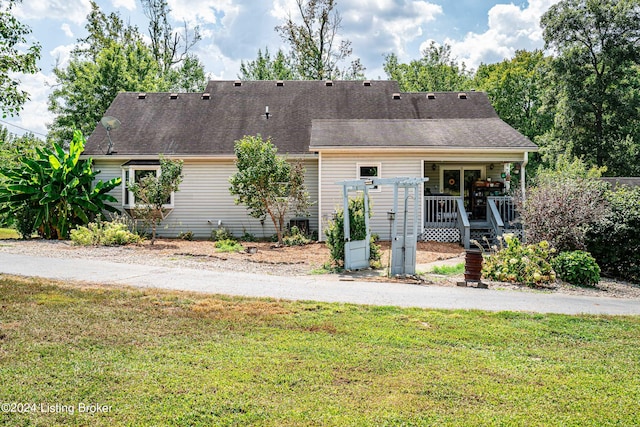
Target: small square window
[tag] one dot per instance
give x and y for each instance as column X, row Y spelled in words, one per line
column 367, row 172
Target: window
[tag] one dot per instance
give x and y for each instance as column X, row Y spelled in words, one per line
column 369, row 171
column 134, row 171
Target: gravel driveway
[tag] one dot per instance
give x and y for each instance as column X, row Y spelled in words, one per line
column 130, row 267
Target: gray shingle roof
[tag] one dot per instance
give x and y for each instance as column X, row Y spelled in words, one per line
column 418, row 133
column 191, row 125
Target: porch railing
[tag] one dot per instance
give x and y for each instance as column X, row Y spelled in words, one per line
column 463, row 224
column 506, row 209
column 441, row 211
column 494, row 217
column 447, row 212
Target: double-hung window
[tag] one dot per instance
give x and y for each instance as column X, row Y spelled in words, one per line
column 132, row 172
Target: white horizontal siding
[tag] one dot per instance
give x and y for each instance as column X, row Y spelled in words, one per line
column 204, row 199
column 109, row 170
column 337, row 168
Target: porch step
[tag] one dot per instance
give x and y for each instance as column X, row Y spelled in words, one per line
column 485, row 236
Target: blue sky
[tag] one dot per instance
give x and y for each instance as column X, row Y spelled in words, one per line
column 478, row 31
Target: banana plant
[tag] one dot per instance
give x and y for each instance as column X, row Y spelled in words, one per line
column 58, row 188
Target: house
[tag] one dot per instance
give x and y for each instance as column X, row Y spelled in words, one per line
column 340, row 130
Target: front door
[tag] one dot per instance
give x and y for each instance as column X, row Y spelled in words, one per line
column 457, row 180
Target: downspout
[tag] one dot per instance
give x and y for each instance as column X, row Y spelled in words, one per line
column 320, row 230
column 523, row 175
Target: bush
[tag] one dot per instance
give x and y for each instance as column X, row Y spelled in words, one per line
column 577, row 268
column 335, row 232
column 516, row 263
column 221, row 234
column 228, row 245
column 25, row 221
column 295, row 238
column 560, row 210
column 248, row 237
column 614, row 241
column 106, row 233
column 186, row 235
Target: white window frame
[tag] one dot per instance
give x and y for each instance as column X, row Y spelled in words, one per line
column 130, row 171
column 375, row 188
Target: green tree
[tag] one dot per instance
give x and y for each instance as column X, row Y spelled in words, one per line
column 614, row 240
column 266, row 68
column 435, row 71
column 55, row 191
column 152, row 192
column 267, row 184
column 316, row 50
column 596, row 80
column 114, row 58
column 516, row 88
column 16, row 56
column 13, row 147
column 87, row 88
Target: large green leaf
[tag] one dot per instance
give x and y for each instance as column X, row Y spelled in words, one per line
column 55, row 163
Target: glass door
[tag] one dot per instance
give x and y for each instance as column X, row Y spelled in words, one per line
column 451, row 184
column 470, row 176
column 457, row 181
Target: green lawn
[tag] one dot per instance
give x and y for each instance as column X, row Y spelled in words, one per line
column 169, row 358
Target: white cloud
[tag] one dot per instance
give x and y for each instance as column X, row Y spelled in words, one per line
column 66, row 29
column 219, row 64
column 375, row 27
column 62, row 54
column 221, row 12
column 71, row 10
column 125, row 4
column 510, row 28
column 35, row 115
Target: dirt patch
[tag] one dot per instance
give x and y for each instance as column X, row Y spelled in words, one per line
column 313, row 255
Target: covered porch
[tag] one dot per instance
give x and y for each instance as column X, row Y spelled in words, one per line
column 465, row 201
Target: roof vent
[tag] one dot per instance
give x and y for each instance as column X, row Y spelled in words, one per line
column 279, row 83
column 142, row 95
column 366, row 83
column 431, row 96
column 173, row 96
column 396, row 96
column 206, row 95
column 328, row 83
column 237, row 83
column 462, row 95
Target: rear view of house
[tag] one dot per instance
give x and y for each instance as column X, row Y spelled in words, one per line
column 340, row 130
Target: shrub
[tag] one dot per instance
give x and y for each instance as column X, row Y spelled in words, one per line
column 106, row 233
column 335, row 232
column 248, row 237
column 221, row 233
column 560, row 210
column 517, row 263
column 295, row 238
column 186, row 235
column 614, row 241
column 577, row 268
column 25, row 221
column 228, row 245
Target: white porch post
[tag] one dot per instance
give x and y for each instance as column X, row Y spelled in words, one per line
column 523, row 175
